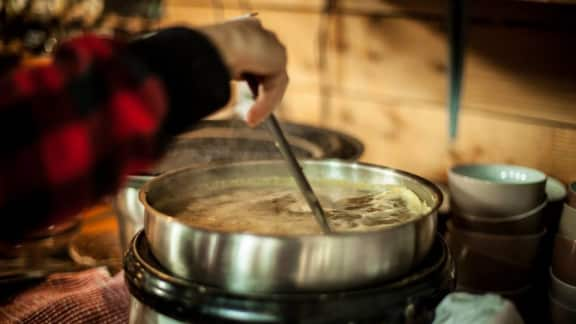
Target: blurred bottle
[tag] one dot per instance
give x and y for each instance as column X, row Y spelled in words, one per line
column 29, row 32
column 32, row 28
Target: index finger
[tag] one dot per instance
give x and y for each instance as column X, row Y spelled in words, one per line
column 271, row 92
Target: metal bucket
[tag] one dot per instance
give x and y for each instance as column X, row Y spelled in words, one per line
column 243, row 262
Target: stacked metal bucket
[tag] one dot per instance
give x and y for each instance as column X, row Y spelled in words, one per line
column 562, row 287
column 503, row 220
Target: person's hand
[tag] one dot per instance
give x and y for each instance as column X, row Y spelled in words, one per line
column 248, row 48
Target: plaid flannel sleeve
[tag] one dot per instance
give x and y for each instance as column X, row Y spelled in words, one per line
column 71, row 130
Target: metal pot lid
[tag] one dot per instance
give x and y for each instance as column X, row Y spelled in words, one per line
column 211, row 141
column 185, row 300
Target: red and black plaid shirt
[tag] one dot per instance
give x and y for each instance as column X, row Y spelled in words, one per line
column 71, row 131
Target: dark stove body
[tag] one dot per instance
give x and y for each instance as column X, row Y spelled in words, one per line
column 158, row 297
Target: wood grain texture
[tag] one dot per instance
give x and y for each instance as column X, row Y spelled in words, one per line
column 386, row 77
column 411, row 135
column 515, row 8
column 516, row 71
column 523, row 72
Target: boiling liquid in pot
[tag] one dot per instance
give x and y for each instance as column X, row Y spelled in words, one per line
column 280, row 209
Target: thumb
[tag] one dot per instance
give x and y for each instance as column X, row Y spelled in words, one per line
column 269, row 95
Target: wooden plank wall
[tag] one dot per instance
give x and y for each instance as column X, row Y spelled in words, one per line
column 382, row 77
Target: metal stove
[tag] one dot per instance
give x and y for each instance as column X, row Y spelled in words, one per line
column 159, row 297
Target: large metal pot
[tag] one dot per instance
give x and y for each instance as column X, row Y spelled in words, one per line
column 256, row 263
column 220, row 141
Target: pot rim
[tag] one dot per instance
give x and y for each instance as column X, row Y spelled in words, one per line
column 456, row 171
column 559, row 282
column 561, row 304
column 491, row 236
column 506, row 219
column 571, row 209
column 563, row 237
column 176, row 280
column 360, row 147
column 430, row 185
column 551, row 185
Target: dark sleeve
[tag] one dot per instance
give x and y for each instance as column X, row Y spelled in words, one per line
column 72, row 130
column 195, row 77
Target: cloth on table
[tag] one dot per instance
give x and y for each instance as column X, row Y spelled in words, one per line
column 90, row 296
column 457, row 308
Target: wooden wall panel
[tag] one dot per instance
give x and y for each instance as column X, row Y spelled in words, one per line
column 386, row 78
column 411, row 135
column 519, row 71
column 523, row 72
column 535, row 10
column 298, row 33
